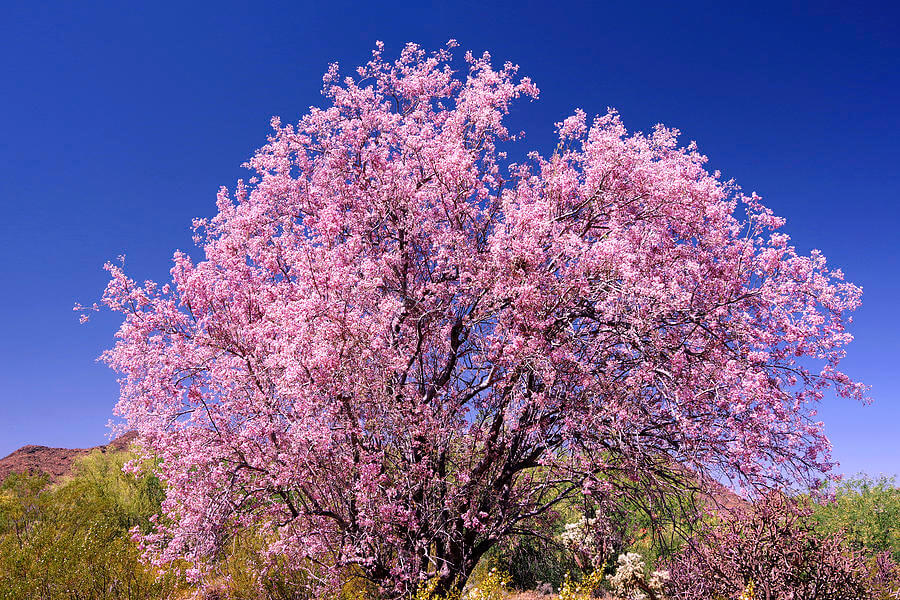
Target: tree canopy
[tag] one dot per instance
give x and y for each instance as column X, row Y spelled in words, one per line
column 401, row 346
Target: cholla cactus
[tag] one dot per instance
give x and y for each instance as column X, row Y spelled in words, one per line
column 578, row 531
column 630, row 568
column 748, row 593
column 658, row 580
column 580, row 536
column 591, row 540
column 631, row 582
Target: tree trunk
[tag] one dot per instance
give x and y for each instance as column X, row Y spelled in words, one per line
column 460, row 562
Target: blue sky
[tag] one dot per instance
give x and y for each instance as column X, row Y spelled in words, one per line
column 119, row 124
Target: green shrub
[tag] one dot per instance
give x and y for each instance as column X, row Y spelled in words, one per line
column 72, row 540
column 867, row 510
column 530, row 561
column 248, row 575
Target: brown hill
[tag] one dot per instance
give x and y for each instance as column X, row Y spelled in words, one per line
column 721, row 497
column 55, row 462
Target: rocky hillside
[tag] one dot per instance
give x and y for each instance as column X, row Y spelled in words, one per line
column 55, row 462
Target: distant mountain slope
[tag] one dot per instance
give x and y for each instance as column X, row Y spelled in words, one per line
column 55, row 462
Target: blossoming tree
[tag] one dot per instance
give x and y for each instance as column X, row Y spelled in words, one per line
column 400, row 346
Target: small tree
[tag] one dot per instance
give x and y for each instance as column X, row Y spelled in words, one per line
column 397, row 351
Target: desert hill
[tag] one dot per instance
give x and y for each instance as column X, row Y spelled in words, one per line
column 55, row 462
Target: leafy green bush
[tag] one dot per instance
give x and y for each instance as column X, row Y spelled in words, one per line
column 72, row 540
column 248, row 574
column 530, row 561
column 867, row 510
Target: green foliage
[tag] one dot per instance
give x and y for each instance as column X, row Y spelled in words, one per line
column 72, row 540
column 867, row 510
column 493, row 586
column 531, row 561
column 248, row 575
column 20, row 504
column 581, row 590
column 583, row 536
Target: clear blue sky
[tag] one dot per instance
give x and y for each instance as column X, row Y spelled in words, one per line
column 119, row 124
